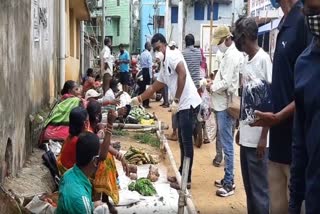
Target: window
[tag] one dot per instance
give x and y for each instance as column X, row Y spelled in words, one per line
column 158, row 21
column 174, row 14
column 215, row 11
column 118, row 2
column 198, row 11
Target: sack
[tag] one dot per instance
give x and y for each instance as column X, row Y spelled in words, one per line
column 234, row 107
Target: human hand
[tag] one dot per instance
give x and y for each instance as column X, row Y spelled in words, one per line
column 97, row 203
column 135, row 101
column 261, row 149
column 112, row 116
column 115, row 102
column 122, row 111
column 174, row 108
column 265, row 119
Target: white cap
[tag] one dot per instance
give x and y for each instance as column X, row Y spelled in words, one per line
column 92, row 93
column 172, row 43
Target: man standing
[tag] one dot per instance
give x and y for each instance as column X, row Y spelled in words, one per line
column 75, row 190
column 304, row 182
column 223, row 87
column 146, row 65
column 186, row 98
column 292, row 39
column 124, row 60
column 106, row 61
column 192, row 56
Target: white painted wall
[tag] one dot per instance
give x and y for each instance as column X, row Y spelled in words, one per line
column 194, row 26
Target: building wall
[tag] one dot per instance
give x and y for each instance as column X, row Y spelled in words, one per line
column 258, row 8
column 28, row 73
column 123, row 10
column 72, row 43
column 193, row 26
column 146, row 16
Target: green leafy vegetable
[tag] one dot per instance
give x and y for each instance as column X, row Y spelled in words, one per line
column 143, row 186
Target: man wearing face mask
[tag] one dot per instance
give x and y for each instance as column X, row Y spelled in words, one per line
column 304, row 182
column 292, row 40
column 186, row 101
column 75, row 190
column 223, row 87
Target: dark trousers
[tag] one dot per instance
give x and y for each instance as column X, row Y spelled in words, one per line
column 186, row 124
column 165, row 95
column 255, row 180
column 145, row 82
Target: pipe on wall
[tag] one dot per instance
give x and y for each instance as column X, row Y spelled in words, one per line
column 62, row 45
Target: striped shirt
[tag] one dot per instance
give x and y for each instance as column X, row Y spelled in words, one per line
column 193, row 58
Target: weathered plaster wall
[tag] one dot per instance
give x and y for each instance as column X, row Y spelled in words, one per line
column 28, row 73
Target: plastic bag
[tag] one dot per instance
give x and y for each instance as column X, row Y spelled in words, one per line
column 204, row 112
column 256, row 95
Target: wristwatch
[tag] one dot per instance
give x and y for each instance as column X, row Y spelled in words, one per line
column 176, row 100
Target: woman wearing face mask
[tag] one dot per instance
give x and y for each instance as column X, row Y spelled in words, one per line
column 305, row 176
column 105, row 181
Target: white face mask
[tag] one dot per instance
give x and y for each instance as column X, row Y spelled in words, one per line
column 159, row 55
column 222, row 47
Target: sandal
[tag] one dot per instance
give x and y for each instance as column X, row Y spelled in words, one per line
column 172, row 137
column 206, row 141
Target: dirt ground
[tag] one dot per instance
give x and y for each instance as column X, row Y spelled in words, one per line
column 204, row 175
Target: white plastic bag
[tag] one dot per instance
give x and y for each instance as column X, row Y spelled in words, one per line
column 204, row 112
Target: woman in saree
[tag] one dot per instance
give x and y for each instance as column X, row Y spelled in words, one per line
column 105, row 181
column 79, row 122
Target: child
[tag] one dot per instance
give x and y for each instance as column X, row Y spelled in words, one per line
column 253, row 140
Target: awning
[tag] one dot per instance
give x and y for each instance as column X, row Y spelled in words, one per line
column 270, row 26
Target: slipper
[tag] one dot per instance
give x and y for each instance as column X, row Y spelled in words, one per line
column 172, row 137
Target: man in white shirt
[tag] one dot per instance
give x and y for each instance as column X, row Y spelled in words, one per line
column 146, row 65
column 253, row 141
column 223, row 87
column 106, row 61
column 176, row 76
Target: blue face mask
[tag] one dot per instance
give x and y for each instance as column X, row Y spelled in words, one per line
column 275, row 3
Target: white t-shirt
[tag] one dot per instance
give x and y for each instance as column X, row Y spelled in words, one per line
column 108, row 96
column 169, row 76
column 106, row 57
column 260, row 66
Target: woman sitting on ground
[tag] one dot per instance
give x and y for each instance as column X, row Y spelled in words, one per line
column 70, row 89
column 78, row 122
column 105, row 181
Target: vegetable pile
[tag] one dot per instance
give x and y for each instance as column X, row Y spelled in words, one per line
column 139, row 113
column 143, row 186
column 138, row 157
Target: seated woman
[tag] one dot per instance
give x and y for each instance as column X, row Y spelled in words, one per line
column 79, row 122
column 56, row 125
column 88, row 81
column 106, row 177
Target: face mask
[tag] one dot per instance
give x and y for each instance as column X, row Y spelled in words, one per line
column 222, row 47
column 159, row 55
column 314, row 24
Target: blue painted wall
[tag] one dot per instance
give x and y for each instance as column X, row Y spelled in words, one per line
column 146, row 16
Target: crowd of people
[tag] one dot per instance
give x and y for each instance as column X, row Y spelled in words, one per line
column 276, row 128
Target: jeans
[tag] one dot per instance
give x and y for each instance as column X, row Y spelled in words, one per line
column 225, row 127
column 186, row 126
column 165, row 95
column 255, row 180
